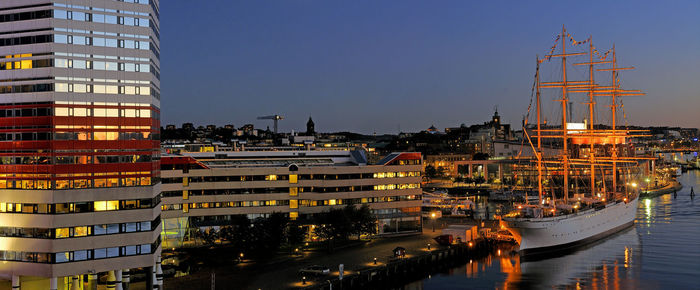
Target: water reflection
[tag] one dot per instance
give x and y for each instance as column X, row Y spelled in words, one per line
column 605, row 264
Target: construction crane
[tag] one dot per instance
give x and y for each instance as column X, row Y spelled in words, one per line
column 275, row 118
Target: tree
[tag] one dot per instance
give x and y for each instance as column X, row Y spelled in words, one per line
column 431, row 172
column 333, row 224
column 481, row 156
column 294, row 233
column 468, row 180
column 239, row 234
column 363, row 222
column 268, row 233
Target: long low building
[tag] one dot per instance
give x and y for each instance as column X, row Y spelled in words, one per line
column 205, row 190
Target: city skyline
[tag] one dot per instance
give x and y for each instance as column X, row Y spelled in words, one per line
column 365, row 66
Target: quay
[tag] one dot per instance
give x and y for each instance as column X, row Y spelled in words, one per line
column 400, row 270
column 669, row 188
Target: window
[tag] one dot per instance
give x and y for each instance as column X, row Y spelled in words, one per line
column 100, row 206
column 81, row 255
column 81, row 231
column 62, row 257
column 62, row 233
column 145, row 226
column 130, row 227
column 100, row 230
column 293, row 178
column 100, row 253
column 130, row 250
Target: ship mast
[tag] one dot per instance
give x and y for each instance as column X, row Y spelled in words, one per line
column 565, row 85
column 564, row 102
column 591, row 107
column 613, row 107
column 539, row 133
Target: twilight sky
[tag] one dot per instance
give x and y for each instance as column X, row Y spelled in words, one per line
column 377, row 66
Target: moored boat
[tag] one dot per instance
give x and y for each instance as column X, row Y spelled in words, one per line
column 588, row 190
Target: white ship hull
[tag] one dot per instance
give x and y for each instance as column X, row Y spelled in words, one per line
column 538, row 235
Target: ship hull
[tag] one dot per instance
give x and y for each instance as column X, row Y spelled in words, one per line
column 545, row 235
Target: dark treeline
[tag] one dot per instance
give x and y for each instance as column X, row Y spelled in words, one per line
column 266, row 236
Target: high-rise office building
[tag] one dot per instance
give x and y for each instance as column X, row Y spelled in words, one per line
column 79, row 139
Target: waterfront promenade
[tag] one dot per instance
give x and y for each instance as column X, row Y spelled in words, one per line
column 282, row 272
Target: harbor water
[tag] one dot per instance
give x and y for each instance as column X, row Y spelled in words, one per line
column 661, row 251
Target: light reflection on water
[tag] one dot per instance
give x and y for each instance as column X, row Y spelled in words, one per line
column 662, row 250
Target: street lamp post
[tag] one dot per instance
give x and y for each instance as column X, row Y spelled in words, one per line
column 432, row 216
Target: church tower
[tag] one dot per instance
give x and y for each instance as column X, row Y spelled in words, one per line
column 310, row 131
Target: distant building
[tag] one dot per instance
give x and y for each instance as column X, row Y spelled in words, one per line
column 433, row 130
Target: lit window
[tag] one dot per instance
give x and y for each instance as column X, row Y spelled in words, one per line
column 271, row 177
column 293, row 203
column 331, row 202
column 293, row 191
column 62, row 233
column 81, row 231
column 293, row 178
column 112, row 205
column 100, row 205
column 61, row 111
column 293, row 215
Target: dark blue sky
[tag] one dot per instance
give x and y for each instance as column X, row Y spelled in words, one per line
column 383, row 65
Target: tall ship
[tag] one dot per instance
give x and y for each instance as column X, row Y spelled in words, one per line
column 583, row 165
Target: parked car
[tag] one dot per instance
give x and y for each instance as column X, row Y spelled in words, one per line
column 315, row 270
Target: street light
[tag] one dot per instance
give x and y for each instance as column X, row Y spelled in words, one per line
column 375, row 261
column 303, row 280
column 428, row 246
column 432, row 216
